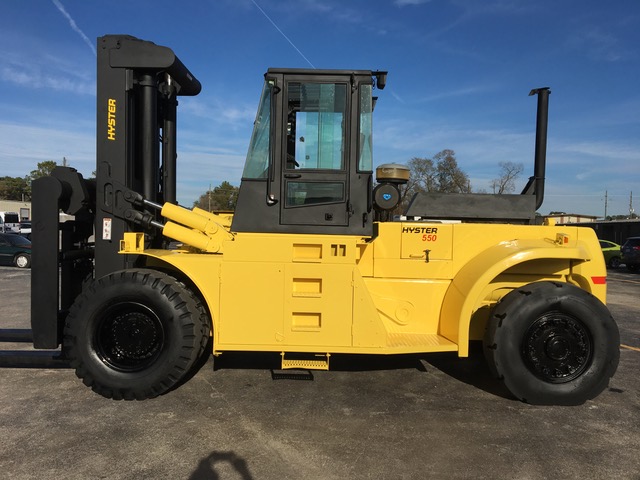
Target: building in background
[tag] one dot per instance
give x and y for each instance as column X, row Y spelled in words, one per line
column 23, row 208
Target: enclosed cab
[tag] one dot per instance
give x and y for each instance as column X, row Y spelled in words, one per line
column 309, row 168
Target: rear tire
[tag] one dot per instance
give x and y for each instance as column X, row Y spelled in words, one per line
column 552, row 344
column 134, row 334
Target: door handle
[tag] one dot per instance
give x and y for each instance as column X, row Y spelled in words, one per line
column 292, row 175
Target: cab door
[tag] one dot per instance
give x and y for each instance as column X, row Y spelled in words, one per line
column 314, row 167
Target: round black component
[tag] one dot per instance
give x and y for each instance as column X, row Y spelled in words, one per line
column 557, row 347
column 386, row 196
column 552, row 343
column 135, row 334
column 129, row 336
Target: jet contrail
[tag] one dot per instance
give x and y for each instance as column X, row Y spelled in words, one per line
column 281, row 32
column 74, row 26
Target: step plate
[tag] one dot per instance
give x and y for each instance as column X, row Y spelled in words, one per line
column 420, row 342
column 313, row 362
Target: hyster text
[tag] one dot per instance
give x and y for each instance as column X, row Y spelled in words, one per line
column 111, row 119
column 419, row 229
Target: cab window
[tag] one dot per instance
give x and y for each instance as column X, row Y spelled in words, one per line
column 257, row 163
column 316, row 129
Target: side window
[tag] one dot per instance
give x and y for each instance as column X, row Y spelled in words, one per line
column 365, row 155
column 257, row 164
column 316, row 128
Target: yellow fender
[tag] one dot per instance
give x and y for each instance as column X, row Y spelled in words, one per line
column 463, row 295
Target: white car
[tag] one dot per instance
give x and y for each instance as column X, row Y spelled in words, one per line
column 25, row 229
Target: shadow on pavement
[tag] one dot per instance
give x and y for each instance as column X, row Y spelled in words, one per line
column 206, row 469
column 472, row 370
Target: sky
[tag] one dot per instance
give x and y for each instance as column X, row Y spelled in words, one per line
column 459, row 76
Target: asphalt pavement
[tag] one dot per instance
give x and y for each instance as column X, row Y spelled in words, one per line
column 411, row 416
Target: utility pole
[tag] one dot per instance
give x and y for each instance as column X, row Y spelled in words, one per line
column 606, row 200
column 631, row 211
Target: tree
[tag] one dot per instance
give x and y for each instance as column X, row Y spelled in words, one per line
column 221, row 198
column 451, row 179
column 509, row 171
column 44, row 169
column 438, row 174
column 17, row 188
column 421, row 179
column 14, row 188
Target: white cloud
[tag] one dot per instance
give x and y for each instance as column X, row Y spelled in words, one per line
column 36, row 67
column 31, row 76
column 218, row 111
column 459, row 92
column 404, row 3
column 22, row 147
column 603, row 149
column 74, row 25
column 598, row 44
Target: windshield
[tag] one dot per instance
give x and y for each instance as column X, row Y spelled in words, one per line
column 257, row 164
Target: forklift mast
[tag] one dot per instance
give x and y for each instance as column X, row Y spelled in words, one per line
column 138, row 83
column 137, row 87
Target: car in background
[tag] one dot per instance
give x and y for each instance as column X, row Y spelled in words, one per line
column 631, row 254
column 15, row 250
column 25, row 229
column 611, row 252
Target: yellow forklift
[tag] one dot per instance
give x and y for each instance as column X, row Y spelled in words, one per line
column 136, row 289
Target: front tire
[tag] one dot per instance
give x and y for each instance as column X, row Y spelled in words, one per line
column 134, row 334
column 552, row 344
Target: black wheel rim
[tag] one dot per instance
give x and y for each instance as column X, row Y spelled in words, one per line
column 129, row 337
column 557, row 348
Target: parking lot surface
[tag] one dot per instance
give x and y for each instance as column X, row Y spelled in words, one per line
column 432, row 416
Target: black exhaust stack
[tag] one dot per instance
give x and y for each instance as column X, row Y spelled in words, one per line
column 535, row 185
